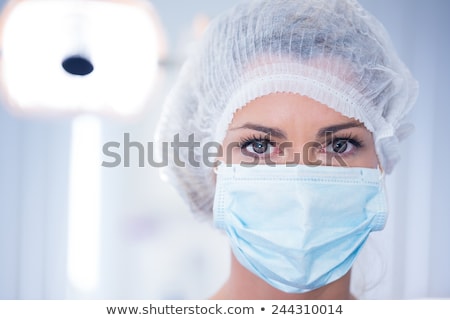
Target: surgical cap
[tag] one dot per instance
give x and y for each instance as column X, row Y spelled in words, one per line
column 332, row 51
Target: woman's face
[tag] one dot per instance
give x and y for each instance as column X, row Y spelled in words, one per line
column 285, row 128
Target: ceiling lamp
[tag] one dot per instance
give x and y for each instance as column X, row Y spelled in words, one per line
column 79, row 55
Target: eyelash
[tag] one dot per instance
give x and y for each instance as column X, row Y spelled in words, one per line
column 246, row 142
column 347, row 138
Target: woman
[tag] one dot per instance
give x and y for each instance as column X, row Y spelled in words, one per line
column 307, row 99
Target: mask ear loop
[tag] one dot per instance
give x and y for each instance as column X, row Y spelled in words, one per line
column 216, row 167
column 382, row 173
column 381, row 179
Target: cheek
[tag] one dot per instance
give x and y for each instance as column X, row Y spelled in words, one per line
column 367, row 158
column 373, row 159
column 231, row 152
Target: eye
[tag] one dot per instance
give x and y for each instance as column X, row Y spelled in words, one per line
column 257, row 146
column 342, row 146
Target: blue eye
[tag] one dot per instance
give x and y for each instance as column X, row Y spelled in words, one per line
column 342, row 146
column 257, row 146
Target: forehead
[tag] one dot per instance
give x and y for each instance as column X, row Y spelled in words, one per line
column 282, row 109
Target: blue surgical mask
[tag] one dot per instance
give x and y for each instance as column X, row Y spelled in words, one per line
column 300, row 227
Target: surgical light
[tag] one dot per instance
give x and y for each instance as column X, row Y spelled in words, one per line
column 79, row 55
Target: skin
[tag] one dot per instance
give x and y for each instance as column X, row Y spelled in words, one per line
column 284, row 127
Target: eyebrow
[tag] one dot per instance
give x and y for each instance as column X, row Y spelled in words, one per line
column 338, row 127
column 274, row 132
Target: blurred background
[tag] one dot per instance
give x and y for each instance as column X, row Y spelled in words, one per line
column 71, row 228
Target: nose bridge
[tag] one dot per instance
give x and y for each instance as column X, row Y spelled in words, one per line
column 301, row 144
column 293, row 152
column 300, row 151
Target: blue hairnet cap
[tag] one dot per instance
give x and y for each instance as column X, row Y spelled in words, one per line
column 332, row 51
